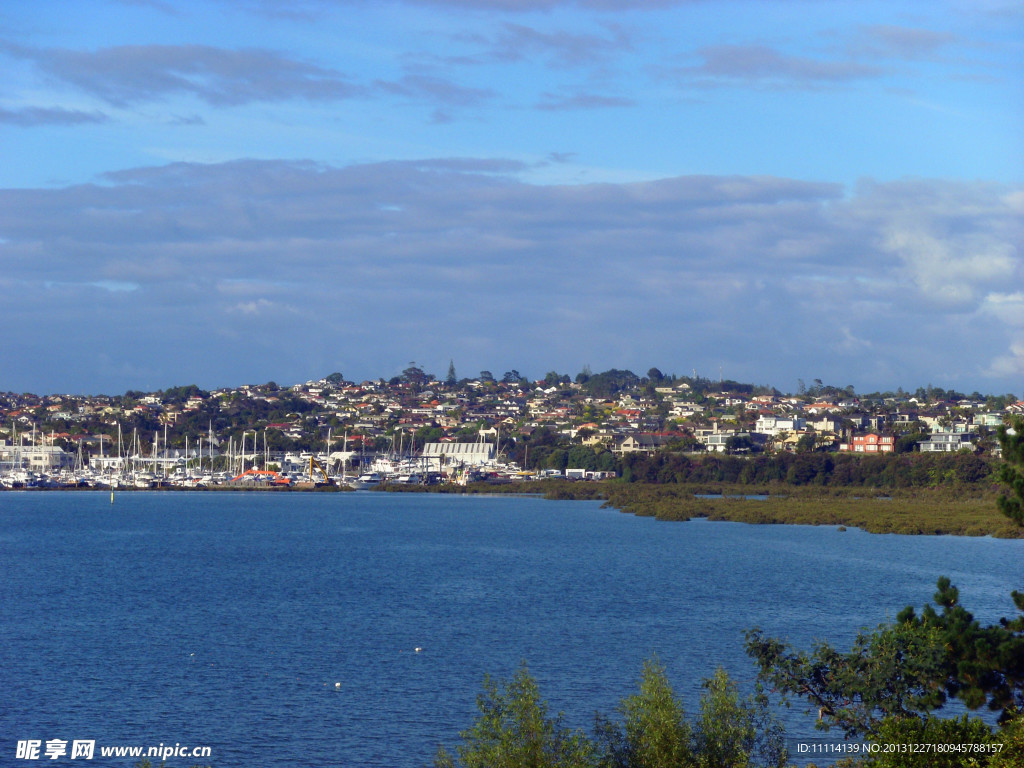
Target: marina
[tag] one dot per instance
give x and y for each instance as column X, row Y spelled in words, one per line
column 31, row 464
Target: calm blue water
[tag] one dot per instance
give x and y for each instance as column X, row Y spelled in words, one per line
column 226, row 619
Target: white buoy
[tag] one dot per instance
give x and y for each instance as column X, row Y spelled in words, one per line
column 337, row 685
column 418, row 649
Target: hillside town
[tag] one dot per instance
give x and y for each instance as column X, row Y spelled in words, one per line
column 419, row 428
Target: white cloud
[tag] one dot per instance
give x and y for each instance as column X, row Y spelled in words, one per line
column 1009, row 366
column 952, row 270
column 772, row 278
column 1008, row 308
column 115, row 286
column 848, row 342
column 257, row 307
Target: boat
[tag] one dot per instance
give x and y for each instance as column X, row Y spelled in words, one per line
column 366, row 481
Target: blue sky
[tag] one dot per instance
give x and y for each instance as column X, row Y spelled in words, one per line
column 234, row 191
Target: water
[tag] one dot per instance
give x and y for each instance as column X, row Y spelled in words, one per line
column 226, row 619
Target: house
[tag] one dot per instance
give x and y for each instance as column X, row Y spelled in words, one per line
column 789, row 443
column 718, row 442
column 685, row 409
column 904, row 418
column 867, row 421
column 773, row 425
column 825, row 424
column 990, row 420
column 870, row 443
column 946, row 442
column 641, row 443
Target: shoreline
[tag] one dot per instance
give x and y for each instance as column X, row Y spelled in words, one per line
column 968, row 511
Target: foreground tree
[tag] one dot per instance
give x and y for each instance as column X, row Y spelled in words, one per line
column 961, row 731
column 514, row 730
column 889, row 686
column 735, row 731
column 654, row 732
column 891, row 671
column 906, row 669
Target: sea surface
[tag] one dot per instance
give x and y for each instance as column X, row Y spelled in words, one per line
column 282, row 629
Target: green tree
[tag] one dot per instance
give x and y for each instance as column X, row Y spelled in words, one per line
column 1012, row 470
column 654, row 732
column 415, row 377
column 932, row 731
column 177, row 395
column 451, row 379
column 905, row 669
column 734, row 731
column 557, row 459
column 611, row 382
column 891, row 671
column 737, row 444
column 1011, row 736
column 553, row 378
column 908, row 443
column 425, row 435
column 606, row 461
column 983, row 665
column 582, row 457
column 806, row 443
column 514, row 730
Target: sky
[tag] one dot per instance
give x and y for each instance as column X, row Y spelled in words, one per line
column 221, row 192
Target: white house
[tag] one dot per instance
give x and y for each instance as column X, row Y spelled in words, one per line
column 774, row 425
column 945, row 442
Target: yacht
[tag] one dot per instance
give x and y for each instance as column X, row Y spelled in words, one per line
column 366, row 481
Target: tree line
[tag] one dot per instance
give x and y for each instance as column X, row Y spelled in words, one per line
column 912, row 470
